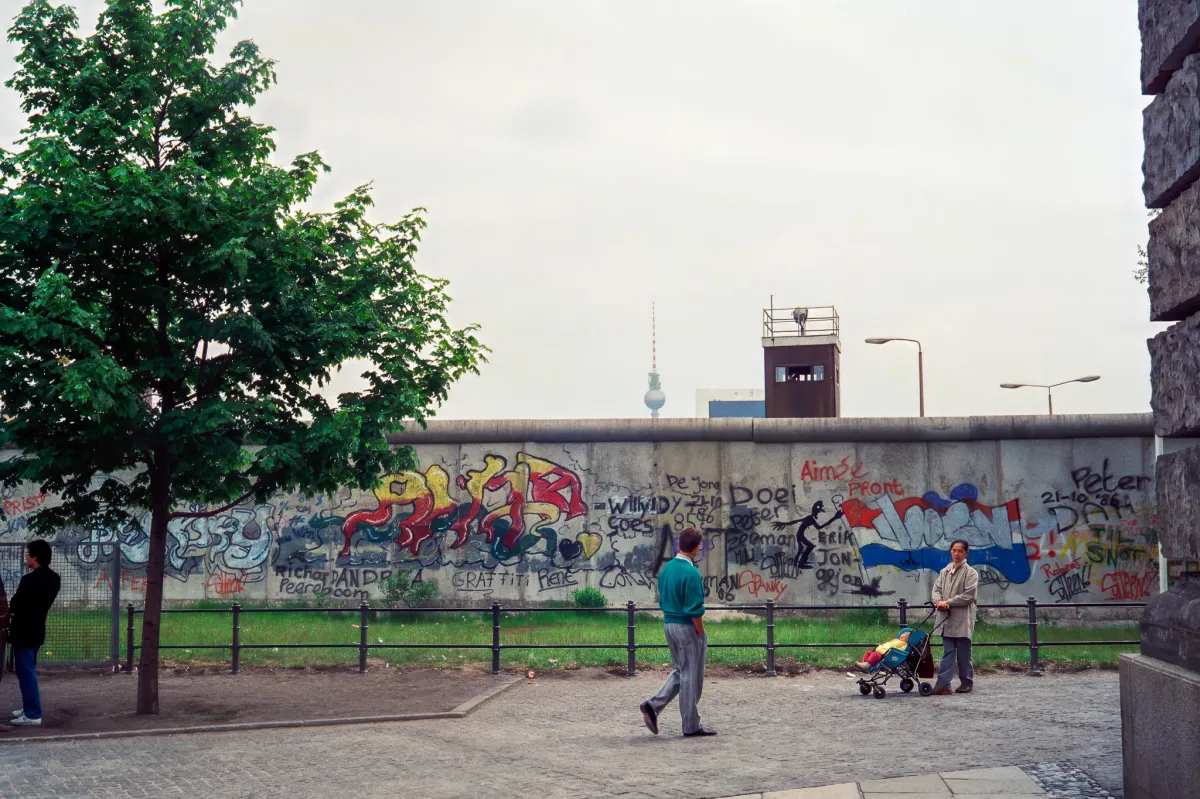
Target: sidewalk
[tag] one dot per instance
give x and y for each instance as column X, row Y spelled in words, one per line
column 985, row 783
column 579, row 735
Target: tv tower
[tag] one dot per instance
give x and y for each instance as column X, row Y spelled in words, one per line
column 655, row 398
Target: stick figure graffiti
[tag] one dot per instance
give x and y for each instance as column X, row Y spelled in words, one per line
column 805, row 547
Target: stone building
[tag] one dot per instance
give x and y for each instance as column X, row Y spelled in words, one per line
column 1160, row 687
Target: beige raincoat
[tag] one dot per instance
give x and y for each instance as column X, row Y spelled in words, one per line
column 958, row 587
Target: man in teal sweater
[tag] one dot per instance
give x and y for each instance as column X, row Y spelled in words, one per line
column 681, row 597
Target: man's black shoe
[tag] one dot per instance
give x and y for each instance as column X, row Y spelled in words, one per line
column 701, row 731
column 650, row 717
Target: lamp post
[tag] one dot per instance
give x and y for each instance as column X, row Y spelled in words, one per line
column 1049, row 395
column 920, row 363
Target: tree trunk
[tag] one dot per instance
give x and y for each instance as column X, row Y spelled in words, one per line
column 160, row 512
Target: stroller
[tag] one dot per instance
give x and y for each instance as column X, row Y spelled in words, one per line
column 901, row 664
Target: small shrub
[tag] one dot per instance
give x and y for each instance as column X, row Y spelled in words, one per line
column 401, row 590
column 421, row 593
column 588, row 598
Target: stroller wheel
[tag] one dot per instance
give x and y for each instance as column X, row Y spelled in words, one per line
column 863, row 688
column 926, row 689
column 906, row 685
column 879, row 692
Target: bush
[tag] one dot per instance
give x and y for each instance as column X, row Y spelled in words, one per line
column 401, row 590
column 588, row 598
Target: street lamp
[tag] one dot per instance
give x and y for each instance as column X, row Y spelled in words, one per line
column 920, row 363
column 1049, row 396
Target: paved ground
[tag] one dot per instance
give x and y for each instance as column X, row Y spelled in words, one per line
column 580, row 735
column 985, row 783
column 91, row 702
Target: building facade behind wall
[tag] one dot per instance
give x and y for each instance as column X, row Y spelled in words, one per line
column 731, row 403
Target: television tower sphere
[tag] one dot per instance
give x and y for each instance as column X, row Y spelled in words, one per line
column 655, row 399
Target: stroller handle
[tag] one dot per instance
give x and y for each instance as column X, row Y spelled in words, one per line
column 928, row 616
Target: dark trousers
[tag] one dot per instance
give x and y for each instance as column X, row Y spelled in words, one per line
column 958, row 650
column 25, row 663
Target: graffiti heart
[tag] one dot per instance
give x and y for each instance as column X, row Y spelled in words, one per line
column 590, row 542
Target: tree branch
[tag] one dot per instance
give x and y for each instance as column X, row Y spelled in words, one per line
column 209, row 513
column 159, row 119
column 226, row 361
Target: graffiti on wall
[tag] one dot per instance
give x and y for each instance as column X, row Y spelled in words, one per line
column 537, row 525
column 916, row 533
column 237, row 542
column 514, row 510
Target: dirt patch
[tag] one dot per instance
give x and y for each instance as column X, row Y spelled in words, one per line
column 76, row 702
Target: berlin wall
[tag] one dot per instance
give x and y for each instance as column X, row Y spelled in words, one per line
column 829, row 511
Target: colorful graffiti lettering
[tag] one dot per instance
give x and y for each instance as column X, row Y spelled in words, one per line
column 425, row 493
column 514, row 509
column 918, row 531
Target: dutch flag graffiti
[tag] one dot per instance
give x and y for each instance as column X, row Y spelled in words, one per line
column 916, row 532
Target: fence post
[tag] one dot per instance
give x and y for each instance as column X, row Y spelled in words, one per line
column 1035, row 669
column 362, row 637
column 903, row 612
column 631, row 646
column 129, row 642
column 770, row 637
column 495, row 637
column 237, row 637
column 115, row 580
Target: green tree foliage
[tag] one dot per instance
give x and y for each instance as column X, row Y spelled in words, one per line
column 169, row 312
column 1142, row 273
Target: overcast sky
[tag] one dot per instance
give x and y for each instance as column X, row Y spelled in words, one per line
column 962, row 172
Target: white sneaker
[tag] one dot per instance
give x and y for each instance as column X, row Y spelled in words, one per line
column 22, row 721
column 18, row 713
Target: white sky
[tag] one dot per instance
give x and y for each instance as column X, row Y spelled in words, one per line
column 962, row 172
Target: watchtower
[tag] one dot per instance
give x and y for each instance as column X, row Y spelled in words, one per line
column 802, row 362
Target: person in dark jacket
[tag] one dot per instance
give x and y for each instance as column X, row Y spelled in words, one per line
column 27, row 627
column 3, row 627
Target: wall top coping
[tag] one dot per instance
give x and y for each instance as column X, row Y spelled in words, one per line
column 782, row 431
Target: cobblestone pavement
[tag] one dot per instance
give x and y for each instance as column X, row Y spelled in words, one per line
column 1064, row 781
column 581, row 736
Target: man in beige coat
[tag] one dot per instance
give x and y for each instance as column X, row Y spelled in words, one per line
column 954, row 594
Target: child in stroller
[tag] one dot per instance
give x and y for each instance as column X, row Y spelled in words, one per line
column 900, row 657
column 870, row 659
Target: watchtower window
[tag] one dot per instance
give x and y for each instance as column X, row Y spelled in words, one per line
column 799, row 374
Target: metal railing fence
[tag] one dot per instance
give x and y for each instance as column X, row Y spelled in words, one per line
column 364, row 645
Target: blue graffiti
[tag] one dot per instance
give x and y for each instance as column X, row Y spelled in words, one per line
column 1013, row 563
column 963, row 492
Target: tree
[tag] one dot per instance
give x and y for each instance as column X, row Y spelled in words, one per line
column 167, row 307
column 1142, row 273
